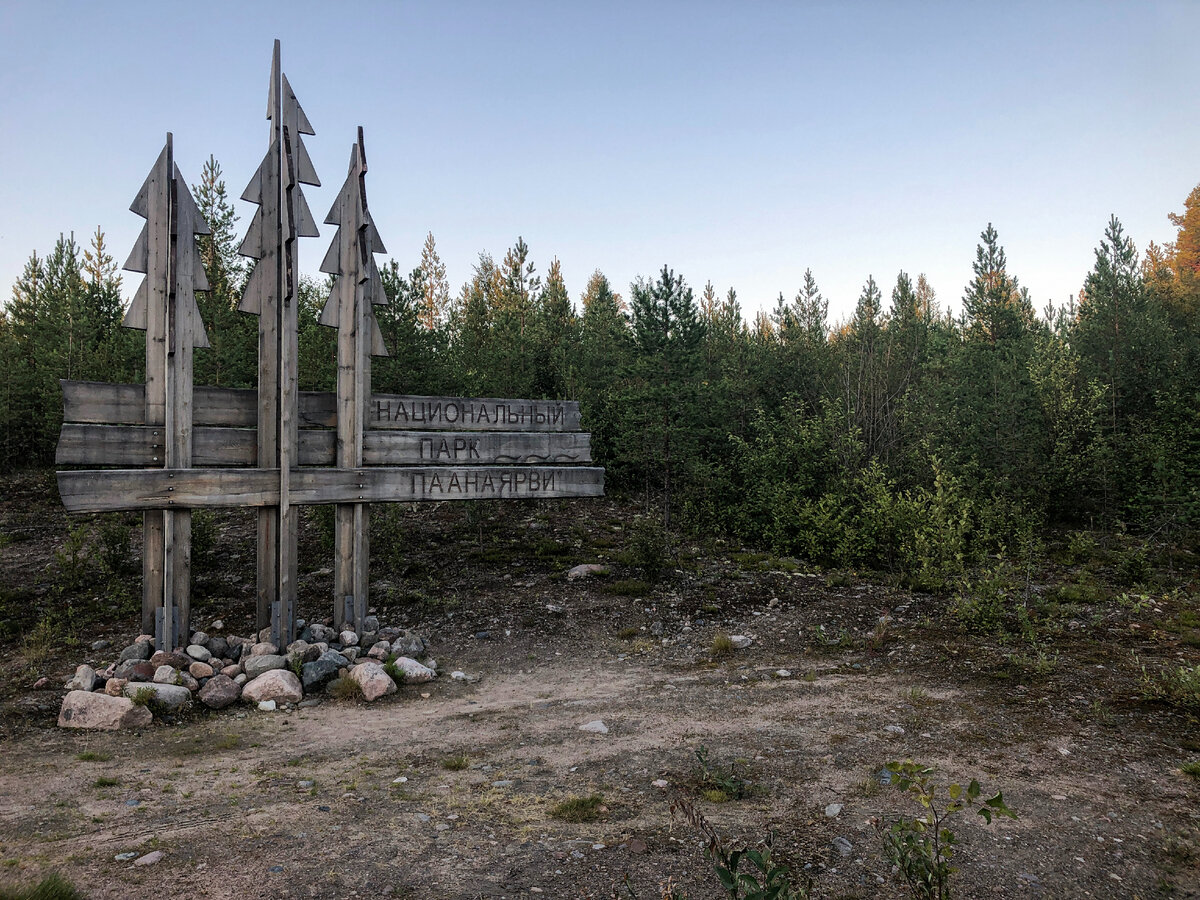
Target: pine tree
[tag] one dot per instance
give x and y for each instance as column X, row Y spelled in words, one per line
column 666, row 389
column 994, row 306
column 709, row 304
column 232, row 359
column 556, row 337
column 811, row 309
column 435, row 296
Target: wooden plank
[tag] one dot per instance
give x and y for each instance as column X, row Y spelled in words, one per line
column 423, row 448
column 471, row 414
column 93, row 491
column 100, row 403
column 156, row 578
column 129, row 446
column 346, row 309
column 143, row 445
column 96, row 402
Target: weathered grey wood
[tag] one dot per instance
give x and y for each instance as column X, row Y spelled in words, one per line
column 261, row 296
column 155, row 200
column 471, row 414
column 350, row 311
column 142, row 445
column 424, row 448
column 185, row 332
column 283, row 614
column 92, row 491
column 100, row 403
column 118, row 404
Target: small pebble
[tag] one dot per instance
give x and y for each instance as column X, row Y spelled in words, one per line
column 149, row 859
column 833, row 809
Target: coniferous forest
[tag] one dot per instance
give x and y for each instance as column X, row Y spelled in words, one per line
column 909, row 439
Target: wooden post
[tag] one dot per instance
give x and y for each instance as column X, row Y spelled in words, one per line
column 356, row 288
column 270, row 293
column 165, row 306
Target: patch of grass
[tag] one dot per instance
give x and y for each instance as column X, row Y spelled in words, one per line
column 916, row 695
column 226, row 742
column 456, row 763
column 39, row 643
column 345, row 689
column 629, row 633
column 93, row 756
column 578, row 809
column 628, row 587
column 722, row 645
column 53, row 887
column 393, row 671
column 719, row 783
column 104, row 781
column 1191, row 768
column 1179, row 686
column 751, row 561
column 548, row 548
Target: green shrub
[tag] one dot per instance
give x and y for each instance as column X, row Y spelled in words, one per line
column 648, row 548
column 205, row 535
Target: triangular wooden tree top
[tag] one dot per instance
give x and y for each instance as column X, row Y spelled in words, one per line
column 350, row 258
column 170, row 213
column 283, row 213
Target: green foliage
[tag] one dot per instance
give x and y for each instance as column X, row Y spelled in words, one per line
column 115, row 552
column 394, row 671
column 721, row 782
column 72, row 561
column 906, row 441
column 648, row 548
column 765, row 878
column 921, row 848
column 204, row 541
column 53, row 887
column 456, row 763
column 1177, row 686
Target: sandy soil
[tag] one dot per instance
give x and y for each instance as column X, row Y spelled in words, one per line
column 306, row 802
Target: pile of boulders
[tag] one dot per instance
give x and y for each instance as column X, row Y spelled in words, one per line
column 217, row 670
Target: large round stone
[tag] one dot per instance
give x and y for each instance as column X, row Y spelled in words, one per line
column 279, row 685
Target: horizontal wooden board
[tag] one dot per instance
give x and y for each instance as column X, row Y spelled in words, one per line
column 99, row 403
column 142, row 445
column 96, row 491
column 470, row 414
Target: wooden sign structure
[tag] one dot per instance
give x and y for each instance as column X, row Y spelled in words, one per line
column 277, row 449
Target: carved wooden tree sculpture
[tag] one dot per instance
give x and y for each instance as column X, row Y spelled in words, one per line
column 165, row 308
column 356, row 288
column 282, row 216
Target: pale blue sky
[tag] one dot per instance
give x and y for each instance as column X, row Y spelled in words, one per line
column 737, row 142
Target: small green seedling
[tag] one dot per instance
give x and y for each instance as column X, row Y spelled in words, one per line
column 921, row 848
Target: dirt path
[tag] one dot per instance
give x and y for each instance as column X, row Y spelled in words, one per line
column 306, row 803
